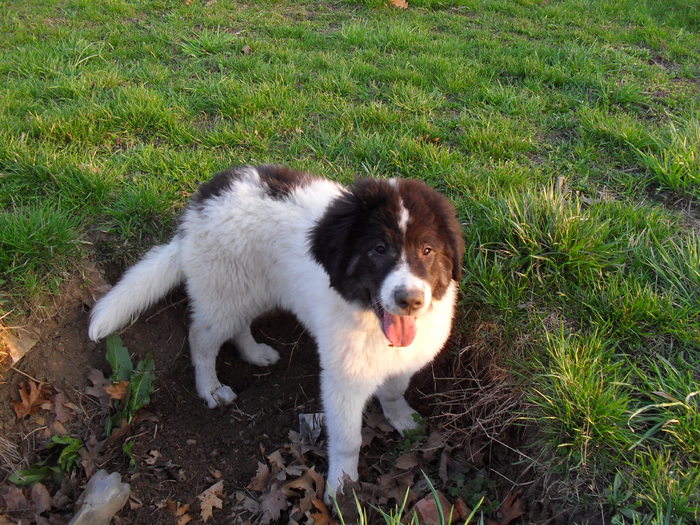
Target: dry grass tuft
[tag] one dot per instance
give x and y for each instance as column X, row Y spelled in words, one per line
column 10, row 457
column 476, row 395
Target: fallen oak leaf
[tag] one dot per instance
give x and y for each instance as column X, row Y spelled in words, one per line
column 179, row 510
column 323, row 516
column 31, row 398
column 246, row 503
column 210, row 499
column 117, row 390
column 262, row 476
column 272, row 504
column 300, row 486
column 99, row 382
column 62, row 408
column 319, row 481
column 276, row 462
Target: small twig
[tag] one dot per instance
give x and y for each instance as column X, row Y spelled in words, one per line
column 12, row 367
column 166, row 307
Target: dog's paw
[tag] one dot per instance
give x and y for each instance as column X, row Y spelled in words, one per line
column 261, row 355
column 220, row 397
column 401, row 416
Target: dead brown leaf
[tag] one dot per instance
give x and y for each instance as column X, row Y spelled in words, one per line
column 40, row 497
column 32, row 398
column 15, row 499
column 276, row 462
column 368, row 435
column 67, row 494
column 511, row 509
column 429, row 138
column 272, row 504
column 153, row 456
column 300, row 486
column 119, row 432
column 99, row 382
column 58, row 429
column 461, row 509
column 401, row 4
column 179, row 510
column 432, row 445
column 246, row 503
column 90, row 454
column 377, row 421
column 395, row 486
column 259, row 482
column 319, row 482
column 407, row 461
column 428, row 511
column 322, row 516
column 117, row 390
column 62, row 408
column 184, row 519
column 210, row 499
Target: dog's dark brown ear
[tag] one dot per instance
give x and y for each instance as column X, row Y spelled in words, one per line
column 330, row 238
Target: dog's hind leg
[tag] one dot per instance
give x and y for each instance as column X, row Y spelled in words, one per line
column 394, row 405
column 205, row 342
column 255, row 353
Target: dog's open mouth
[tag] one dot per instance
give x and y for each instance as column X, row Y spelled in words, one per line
column 400, row 330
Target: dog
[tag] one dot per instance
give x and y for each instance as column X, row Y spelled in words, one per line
column 371, row 270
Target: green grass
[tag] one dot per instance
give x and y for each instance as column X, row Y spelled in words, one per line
column 566, row 133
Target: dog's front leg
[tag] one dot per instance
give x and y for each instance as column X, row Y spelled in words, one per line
column 394, row 405
column 344, row 400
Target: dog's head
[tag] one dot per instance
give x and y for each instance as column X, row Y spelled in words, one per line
column 393, row 247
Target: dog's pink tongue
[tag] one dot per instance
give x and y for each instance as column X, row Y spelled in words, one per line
column 400, row 330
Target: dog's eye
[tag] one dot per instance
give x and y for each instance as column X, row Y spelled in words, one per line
column 427, row 251
column 380, row 249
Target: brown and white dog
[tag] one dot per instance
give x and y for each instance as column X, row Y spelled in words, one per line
column 371, row 270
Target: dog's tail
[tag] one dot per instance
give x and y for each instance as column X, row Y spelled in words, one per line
column 142, row 285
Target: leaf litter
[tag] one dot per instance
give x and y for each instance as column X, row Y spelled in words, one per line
column 33, row 396
column 285, row 486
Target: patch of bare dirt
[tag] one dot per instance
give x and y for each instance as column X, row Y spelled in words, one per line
column 181, row 449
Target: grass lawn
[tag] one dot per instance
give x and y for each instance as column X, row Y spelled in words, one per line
column 567, row 133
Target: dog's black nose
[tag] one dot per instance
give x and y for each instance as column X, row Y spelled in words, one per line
column 409, row 300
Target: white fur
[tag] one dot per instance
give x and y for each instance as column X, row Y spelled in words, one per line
column 244, row 254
